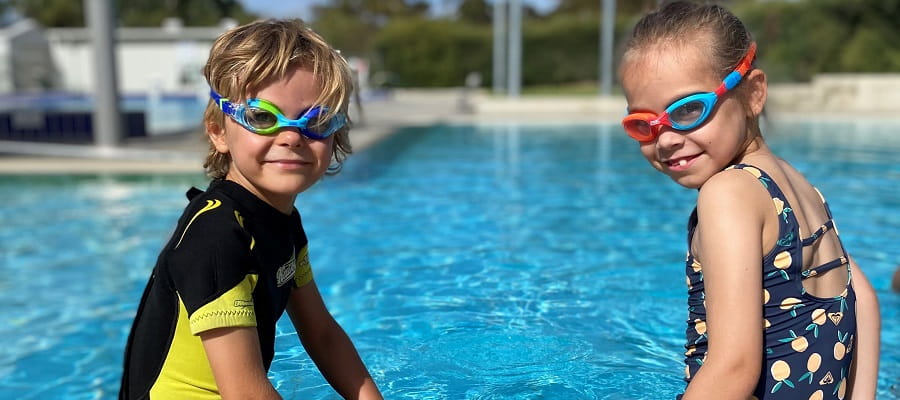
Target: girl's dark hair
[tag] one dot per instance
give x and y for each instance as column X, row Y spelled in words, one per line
column 708, row 25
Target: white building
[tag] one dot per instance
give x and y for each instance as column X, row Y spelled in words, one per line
column 166, row 59
column 26, row 64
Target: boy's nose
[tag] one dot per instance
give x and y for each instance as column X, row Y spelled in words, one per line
column 289, row 137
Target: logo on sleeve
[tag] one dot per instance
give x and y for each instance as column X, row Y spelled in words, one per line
column 285, row 273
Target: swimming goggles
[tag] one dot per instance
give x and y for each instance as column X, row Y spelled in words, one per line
column 264, row 118
column 689, row 112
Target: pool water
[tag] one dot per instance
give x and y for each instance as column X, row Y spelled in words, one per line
column 466, row 262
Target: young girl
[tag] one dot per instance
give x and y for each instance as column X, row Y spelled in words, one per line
column 777, row 308
column 205, row 328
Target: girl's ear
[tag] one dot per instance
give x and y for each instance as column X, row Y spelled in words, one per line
column 216, row 135
column 757, row 90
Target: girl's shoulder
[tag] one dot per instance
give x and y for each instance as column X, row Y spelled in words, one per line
column 736, row 193
column 735, row 184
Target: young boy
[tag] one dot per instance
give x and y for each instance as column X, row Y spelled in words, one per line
column 238, row 258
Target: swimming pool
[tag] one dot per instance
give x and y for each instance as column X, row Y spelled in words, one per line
column 466, row 262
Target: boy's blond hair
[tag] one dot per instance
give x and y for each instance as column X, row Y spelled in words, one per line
column 245, row 59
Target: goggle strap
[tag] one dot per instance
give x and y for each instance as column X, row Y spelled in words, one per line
column 222, row 102
column 731, row 80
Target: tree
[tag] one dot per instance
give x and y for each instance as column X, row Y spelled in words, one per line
column 352, row 25
column 474, row 11
column 69, row 13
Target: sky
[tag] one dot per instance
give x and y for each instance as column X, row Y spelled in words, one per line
column 303, row 8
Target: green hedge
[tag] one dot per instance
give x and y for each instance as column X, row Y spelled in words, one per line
column 432, row 53
column 435, row 53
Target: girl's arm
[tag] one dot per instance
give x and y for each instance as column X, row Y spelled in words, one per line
column 236, row 363
column 329, row 346
column 732, row 208
column 864, row 371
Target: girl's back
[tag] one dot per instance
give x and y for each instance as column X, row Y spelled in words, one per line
column 809, row 208
column 808, row 312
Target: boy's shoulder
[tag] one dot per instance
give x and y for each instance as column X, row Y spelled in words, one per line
column 212, row 214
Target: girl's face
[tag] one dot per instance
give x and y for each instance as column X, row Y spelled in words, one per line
column 658, row 75
column 277, row 167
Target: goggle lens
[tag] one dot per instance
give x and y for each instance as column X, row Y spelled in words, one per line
column 688, row 114
column 638, row 129
column 318, row 125
column 260, row 119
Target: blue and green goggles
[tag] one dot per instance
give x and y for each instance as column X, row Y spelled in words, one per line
column 264, row 118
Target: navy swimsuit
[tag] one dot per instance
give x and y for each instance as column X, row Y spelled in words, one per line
column 807, row 339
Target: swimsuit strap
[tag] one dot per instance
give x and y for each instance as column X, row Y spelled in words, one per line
column 829, row 225
column 789, row 221
column 825, row 267
column 818, row 233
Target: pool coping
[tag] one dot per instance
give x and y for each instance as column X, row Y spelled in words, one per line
column 183, row 153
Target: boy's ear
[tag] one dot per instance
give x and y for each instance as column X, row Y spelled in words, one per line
column 216, row 135
column 757, row 91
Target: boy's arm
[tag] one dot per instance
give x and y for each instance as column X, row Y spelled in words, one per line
column 731, row 210
column 236, row 363
column 864, row 371
column 329, row 346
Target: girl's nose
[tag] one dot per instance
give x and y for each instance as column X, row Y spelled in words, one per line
column 669, row 138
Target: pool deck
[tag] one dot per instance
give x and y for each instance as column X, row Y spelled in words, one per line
column 184, row 153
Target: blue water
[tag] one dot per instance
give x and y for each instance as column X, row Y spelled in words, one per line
column 466, row 262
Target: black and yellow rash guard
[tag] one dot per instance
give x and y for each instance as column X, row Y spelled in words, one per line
column 231, row 262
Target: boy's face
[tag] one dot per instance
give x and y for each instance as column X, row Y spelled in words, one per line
column 277, row 167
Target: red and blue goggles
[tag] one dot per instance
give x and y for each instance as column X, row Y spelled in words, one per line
column 686, row 113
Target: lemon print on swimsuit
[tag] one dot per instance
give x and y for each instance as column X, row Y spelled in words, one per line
column 766, row 296
column 779, row 205
column 700, row 326
column 756, row 173
column 812, row 365
column 753, row 171
column 818, row 318
column 781, row 371
column 792, row 304
column 842, row 389
column 839, row 351
column 782, row 261
column 688, row 281
column 690, row 350
column 817, row 395
column 798, row 343
column 696, row 266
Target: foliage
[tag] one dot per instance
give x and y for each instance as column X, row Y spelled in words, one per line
column 798, row 38
column 70, row 13
column 802, row 38
column 426, row 53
